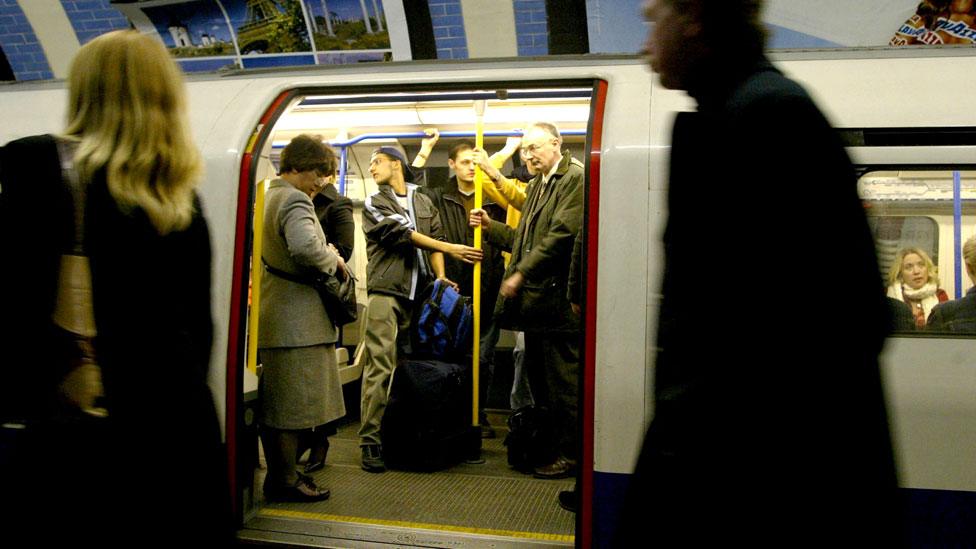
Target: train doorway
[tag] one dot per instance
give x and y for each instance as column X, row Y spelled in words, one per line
column 469, row 504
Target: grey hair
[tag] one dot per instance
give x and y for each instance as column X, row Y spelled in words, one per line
column 549, row 127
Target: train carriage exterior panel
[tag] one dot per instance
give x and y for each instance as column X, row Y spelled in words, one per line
column 931, row 381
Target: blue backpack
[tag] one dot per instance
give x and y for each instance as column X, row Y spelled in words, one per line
column 442, row 326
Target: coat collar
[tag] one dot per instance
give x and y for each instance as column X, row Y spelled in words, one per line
column 452, row 193
column 721, row 77
column 276, row 183
column 561, row 168
column 326, row 196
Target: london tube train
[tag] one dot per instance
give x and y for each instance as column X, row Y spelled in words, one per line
column 909, row 117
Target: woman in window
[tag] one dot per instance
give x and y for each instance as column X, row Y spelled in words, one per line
column 914, row 279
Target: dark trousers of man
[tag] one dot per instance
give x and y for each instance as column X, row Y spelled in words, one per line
column 486, row 370
column 552, row 361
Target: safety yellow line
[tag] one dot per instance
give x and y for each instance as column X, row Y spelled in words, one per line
column 420, row 525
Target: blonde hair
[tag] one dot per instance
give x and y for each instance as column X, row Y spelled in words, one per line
column 969, row 255
column 127, row 110
column 894, row 273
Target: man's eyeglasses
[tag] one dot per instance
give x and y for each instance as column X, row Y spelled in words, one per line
column 535, row 147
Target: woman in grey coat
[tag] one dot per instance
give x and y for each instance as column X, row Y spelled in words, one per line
column 299, row 387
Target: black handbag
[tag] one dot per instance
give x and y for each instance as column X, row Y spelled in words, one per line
column 338, row 296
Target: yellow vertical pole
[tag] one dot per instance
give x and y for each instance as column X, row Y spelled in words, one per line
column 256, row 268
column 479, row 142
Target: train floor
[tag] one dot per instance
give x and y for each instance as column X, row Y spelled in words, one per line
column 468, row 505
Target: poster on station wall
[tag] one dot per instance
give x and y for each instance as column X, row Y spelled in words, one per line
column 616, row 26
column 938, row 22
column 195, row 31
column 349, row 31
column 207, row 35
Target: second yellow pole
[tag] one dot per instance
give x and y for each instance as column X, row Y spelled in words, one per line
column 479, row 142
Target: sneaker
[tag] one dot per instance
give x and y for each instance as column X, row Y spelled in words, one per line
column 487, row 431
column 561, row 468
column 373, row 459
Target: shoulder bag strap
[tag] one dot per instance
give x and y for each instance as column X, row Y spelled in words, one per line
column 286, row 275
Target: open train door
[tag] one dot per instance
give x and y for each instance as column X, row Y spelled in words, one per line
column 486, row 503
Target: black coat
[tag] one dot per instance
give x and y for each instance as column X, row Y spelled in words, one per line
column 335, row 215
column 454, row 222
column 769, row 413
column 151, row 298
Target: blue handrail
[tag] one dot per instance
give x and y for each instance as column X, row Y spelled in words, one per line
column 957, row 229
column 414, row 135
column 577, row 93
column 343, row 145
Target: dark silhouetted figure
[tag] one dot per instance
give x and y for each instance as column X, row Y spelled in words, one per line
column 770, row 425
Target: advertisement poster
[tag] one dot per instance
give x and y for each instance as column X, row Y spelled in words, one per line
column 938, row 22
column 207, row 35
column 348, row 31
column 616, row 26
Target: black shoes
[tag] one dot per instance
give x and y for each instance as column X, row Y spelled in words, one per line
column 567, row 500
column 303, row 491
column 373, row 459
column 487, row 431
column 314, row 464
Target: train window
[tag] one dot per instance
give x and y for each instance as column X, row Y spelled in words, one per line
column 920, row 220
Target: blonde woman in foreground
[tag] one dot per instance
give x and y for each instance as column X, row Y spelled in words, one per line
column 113, row 257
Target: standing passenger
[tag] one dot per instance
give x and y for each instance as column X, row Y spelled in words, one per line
column 400, row 224
column 107, row 259
column 533, row 296
column 335, row 215
column 299, row 386
column 454, row 204
column 510, row 192
column 771, row 428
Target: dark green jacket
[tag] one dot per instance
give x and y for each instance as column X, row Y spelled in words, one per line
column 541, row 247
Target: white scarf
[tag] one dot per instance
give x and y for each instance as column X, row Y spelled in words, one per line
column 926, row 295
column 920, row 294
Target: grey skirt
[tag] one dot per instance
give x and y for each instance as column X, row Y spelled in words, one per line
column 299, row 387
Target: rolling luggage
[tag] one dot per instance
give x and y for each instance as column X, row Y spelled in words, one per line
column 427, row 422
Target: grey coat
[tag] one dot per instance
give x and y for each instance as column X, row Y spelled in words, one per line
column 291, row 314
column 541, row 246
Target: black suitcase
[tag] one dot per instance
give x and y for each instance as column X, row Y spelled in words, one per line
column 427, row 422
column 531, row 442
